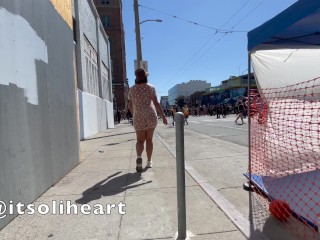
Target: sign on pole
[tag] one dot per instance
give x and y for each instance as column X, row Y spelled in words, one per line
column 143, row 64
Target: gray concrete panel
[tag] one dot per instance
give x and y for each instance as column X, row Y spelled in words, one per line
column 61, row 95
column 25, row 166
column 39, row 137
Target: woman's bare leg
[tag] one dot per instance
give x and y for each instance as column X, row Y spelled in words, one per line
column 149, row 143
column 141, row 138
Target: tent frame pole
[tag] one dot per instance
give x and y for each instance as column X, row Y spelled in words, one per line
column 248, row 185
column 249, row 119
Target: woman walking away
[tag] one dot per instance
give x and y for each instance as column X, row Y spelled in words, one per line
column 143, row 104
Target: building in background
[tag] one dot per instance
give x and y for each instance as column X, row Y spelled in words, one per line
column 195, row 98
column 94, row 78
column 229, row 91
column 186, row 89
column 110, row 12
column 164, row 102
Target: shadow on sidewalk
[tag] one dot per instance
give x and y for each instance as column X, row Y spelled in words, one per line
column 94, row 138
column 111, row 144
column 112, row 185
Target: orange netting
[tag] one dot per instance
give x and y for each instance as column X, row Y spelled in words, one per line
column 285, row 154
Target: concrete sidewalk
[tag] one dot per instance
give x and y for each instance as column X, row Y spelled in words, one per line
column 106, row 175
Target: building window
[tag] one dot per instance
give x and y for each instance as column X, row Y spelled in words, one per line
column 91, row 84
column 105, row 83
column 105, row 21
column 112, row 71
column 74, row 23
column 110, row 42
column 105, row 2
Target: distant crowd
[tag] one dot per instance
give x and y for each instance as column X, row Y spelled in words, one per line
column 218, row 110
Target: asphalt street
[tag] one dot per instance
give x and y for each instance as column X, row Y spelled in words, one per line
column 222, row 128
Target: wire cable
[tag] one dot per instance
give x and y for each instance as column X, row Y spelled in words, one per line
column 187, row 63
column 192, row 22
column 231, row 28
column 226, row 33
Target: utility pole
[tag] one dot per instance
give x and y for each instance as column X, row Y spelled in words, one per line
column 138, row 38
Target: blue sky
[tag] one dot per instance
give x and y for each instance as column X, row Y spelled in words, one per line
column 179, row 51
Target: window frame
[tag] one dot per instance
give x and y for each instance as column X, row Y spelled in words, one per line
column 105, row 19
column 105, row 2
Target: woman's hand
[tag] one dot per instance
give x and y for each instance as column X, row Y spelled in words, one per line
column 164, row 120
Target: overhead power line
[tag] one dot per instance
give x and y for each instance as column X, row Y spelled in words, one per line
column 226, row 34
column 192, row 22
column 193, row 60
column 236, row 13
column 189, row 62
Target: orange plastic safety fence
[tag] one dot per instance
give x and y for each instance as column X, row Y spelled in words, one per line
column 285, row 154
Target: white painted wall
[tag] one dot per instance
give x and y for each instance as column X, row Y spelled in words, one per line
column 110, row 114
column 15, row 53
column 96, row 114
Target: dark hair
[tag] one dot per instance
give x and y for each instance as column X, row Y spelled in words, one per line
column 145, row 80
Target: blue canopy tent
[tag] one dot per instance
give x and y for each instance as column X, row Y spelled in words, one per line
column 285, row 51
column 293, row 35
column 298, row 25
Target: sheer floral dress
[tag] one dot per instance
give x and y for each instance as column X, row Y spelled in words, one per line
column 144, row 112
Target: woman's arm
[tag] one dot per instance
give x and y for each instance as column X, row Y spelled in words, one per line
column 131, row 106
column 159, row 110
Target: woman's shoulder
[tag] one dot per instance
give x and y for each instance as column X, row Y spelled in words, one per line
column 133, row 87
column 150, row 85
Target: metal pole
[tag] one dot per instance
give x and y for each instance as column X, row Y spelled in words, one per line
column 181, row 193
column 138, row 38
column 249, row 119
column 248, row 185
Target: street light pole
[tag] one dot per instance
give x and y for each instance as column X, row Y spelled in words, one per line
column 138, row 38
